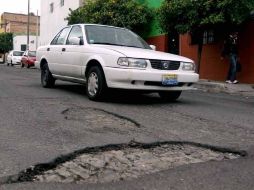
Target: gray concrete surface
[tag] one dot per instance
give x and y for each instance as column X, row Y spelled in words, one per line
column 33, row 129
column 246, row 90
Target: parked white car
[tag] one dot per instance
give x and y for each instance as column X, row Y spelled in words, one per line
column 110, row 57
column 14, row 57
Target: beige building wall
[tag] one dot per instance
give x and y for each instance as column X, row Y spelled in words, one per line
column 1, row 29
column 17, row 23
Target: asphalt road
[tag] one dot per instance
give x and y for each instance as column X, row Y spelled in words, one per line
column 34, row 128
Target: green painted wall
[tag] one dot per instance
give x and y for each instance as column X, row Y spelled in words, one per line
column 155, row 29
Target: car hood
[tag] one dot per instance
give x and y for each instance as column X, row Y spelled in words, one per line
column 146, row 53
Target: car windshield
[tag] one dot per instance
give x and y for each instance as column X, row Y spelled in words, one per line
column 32, row 53
column 18, row 53
column 114, row 36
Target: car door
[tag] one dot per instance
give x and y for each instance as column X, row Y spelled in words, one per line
column 54, row 52
column 24, row 58
column 9, row 57
column 71, row 53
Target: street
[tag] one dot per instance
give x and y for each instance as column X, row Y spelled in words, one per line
column 38, row 125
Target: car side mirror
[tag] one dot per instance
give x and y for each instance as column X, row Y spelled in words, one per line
column 153, row 47
column 74, row 41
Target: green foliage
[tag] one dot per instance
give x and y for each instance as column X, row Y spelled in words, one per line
column 6, row 42
column 192, row 15
column 122, row 13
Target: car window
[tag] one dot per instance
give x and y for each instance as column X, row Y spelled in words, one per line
column 53, row 42
column 60, row 37
column 32, row 53
column 114, row 36
column 18, row 53
column 76, row 31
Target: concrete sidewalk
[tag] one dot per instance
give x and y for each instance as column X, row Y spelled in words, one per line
column 218, row 86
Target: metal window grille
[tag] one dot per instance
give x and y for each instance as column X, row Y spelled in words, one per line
column 62, row 3
column 51, row 7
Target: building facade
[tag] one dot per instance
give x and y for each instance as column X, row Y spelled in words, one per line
column 1, row 29
column 20, row 43
column 212, row 67
column 53, row 17
column 17, row 23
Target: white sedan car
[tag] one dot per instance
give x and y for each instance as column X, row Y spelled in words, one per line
column 105, row 57
column 14, row 57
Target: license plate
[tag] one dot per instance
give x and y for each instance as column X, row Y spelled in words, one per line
column 169, row 80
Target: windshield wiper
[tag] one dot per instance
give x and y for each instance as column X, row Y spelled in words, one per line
column 105, row 43
column 135, row 47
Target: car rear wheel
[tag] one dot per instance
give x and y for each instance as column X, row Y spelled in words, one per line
column 170, row 96
column 47, row 80
column 96, row 86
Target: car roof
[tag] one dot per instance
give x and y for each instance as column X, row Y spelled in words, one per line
column 86, row 24
column 17, row 51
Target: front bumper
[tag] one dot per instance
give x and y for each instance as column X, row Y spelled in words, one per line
column 149, row 79
column 16, row 62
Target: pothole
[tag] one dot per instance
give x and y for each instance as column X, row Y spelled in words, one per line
column 122, row 162
column 100, row 121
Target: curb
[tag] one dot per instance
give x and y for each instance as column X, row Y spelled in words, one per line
column 214, row 86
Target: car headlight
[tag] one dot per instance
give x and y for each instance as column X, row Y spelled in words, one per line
column 132, row 62
column 188, row 66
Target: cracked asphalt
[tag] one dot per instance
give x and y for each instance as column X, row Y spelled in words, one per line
column 38, row 125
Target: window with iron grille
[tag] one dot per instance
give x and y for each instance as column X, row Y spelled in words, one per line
column 51, row 7
column 62, row 3
column 208, row 37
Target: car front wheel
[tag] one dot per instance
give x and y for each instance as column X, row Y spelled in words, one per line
column 96, row 86
column 47, row 80
column 170, row 95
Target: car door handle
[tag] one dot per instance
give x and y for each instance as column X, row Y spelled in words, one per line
column 48, row 49
column 63, row 49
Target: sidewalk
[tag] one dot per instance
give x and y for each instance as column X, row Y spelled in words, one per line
column 217, row 86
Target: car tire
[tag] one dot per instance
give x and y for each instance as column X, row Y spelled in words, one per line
column 47, row 80
column 96, row 86
column 170, row 96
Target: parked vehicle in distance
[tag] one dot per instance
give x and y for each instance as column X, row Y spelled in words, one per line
column 105, row 57
column 28, row 59
column 14, row 57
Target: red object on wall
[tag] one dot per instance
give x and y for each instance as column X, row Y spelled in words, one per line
column 161, row 42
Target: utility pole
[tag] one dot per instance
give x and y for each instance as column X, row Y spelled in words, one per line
column 37, row 29
column 28, row 25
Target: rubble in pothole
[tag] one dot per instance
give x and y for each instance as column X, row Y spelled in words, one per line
column 126, row 163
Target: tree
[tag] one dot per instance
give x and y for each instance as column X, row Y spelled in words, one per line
column 197, row 16
column 6, row 43
column 122, row 13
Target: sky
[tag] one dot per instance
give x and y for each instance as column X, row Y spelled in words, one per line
column 19, row 6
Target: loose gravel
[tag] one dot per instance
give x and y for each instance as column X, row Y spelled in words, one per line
column 127, row 163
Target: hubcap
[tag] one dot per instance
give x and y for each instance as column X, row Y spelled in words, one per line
column 93, row 84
